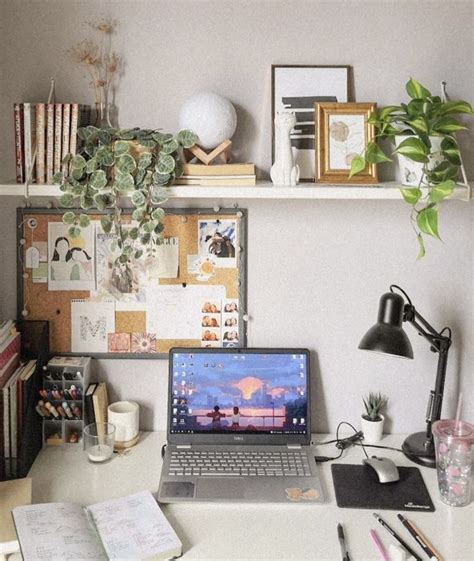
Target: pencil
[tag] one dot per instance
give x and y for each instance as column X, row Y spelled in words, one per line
column 396, row 536
column 421, row 539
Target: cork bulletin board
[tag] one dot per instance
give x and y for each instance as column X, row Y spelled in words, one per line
column 193, row 294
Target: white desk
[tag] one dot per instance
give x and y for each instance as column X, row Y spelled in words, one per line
column 248, row 532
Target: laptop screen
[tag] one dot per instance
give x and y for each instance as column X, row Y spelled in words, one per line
column 238, row 392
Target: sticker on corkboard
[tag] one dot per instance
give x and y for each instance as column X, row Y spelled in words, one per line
column 118, row 342
column 143, row 343
column 130, row 322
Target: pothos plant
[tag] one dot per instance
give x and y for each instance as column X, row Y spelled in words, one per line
column 113, row 163
column 420, row 120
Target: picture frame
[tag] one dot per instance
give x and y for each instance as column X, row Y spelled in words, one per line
column 297, row 88
column 343, row 131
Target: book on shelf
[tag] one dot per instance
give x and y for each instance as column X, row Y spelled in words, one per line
column 74, row 125
column 66, row 130
column 14, row 493
column 49, row 142
column 19, row 157
column 89, row 404
column 40, row 142
column 29, row 140
column 99, row 530
column 8, row 347
column 218, row 169
column 58, row 128
column 226, row 180
column 100, row 403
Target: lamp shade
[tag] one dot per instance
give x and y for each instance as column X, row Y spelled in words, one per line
column 387, row 335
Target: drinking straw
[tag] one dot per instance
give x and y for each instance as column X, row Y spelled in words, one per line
column 458, row 414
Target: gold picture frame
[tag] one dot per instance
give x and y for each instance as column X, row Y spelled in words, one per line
column 341, row 139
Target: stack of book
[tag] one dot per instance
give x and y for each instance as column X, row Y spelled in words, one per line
column 218, row 175
column 15, row 385
column 44, row 134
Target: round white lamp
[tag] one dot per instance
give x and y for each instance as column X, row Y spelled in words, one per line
column 209, row 115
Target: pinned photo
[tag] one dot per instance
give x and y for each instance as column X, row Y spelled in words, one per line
column 232, row 335
column 211, row 307
column 230, row 320
column 211, row 334
column 218, row 238
column 230, row 306
column 211, row 320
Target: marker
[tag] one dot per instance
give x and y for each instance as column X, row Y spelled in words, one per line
column 342, row 542
column 420, row 538
column 379, row 545
column 396, row 536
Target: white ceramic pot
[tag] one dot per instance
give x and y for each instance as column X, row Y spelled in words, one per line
column 410, row 172
column 372, row 430
column 125, row 416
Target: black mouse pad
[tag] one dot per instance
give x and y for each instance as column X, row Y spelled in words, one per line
column 357, row 486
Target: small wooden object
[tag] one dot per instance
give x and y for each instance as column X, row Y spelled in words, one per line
column 222, row 151
column 127, row 444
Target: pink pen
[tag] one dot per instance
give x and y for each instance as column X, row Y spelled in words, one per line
column 378, row 544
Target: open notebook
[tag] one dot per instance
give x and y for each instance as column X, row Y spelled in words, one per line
column 132, row 527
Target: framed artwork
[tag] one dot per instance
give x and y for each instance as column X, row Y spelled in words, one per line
column 297, row 89
column 343, row 131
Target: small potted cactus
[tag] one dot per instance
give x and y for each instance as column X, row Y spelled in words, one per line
column 372, row 420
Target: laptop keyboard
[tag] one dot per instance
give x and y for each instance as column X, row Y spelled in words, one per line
column 215, row 463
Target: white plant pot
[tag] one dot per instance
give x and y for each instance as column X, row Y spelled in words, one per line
column 410, row 172
column 372, row 430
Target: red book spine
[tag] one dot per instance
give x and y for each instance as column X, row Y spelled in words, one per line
column 19, row 160
column 12, row 348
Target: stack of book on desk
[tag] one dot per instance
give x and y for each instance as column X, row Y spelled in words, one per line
column 218, row 175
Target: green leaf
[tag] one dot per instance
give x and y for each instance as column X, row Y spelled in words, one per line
column 104, row 136
column 58, row 178
column 145, row 160
column 66, row 200
column 418, row 124
column 450, row 150
column 138, row 214
column 78, row 162
column 414, row 149
column 147, row 142
column 124, row 181
column 158, row 195
column 158, row 214
column 149, row 226
column 87, row 202
column 78, row 174
column 448, row 125
column 186, row 138
column 161, row 137
column 84, row 220
column 442, row 172
column 357, row 165
column 133, row 233
column 375, row 155
column 386, row 111
column 105, row 156
column 106, row 224
column 101, row 201
column 416, row 90
column 138, row 253
column 121, row 147
column 166, row 163
column 98, row 179
column 441, row 191
column 161, row 178
column 126, row 134
column 178, row 170
column 427, row 221
column 412, row 195
column 145, row 239
column 455, row 107
column 138, row 198
column 91, row 165
column 421, row 243
column 74, row 232
column 126, row 163
column 169, row 147
column 69, row 218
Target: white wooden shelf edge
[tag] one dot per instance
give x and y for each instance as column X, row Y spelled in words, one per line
column 263, row 190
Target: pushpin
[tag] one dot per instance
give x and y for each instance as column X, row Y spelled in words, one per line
column 24, row 313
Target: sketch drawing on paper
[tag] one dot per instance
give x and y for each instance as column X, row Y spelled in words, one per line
column 97, row 329
column 71, row 259
column 346, row 139
column 218, row 239
column 91, row 322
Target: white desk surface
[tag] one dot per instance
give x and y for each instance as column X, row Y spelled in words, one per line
column 253, row 531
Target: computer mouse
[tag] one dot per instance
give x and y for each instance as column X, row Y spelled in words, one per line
column 386, row 470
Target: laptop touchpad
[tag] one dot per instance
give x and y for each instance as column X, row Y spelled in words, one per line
column 220, row 488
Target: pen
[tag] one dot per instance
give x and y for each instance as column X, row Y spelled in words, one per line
column 396, row 536
column 420, row 538
column 378, row 544
column 342, row 542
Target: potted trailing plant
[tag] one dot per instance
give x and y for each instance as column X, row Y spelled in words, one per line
column 422, row 131
column 372, row 420
column 113, row 163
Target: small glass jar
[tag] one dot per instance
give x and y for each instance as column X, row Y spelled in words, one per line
column 99, row 439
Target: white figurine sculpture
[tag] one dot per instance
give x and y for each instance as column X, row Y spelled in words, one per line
column 284, row 170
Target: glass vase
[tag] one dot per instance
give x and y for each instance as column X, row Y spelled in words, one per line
column 102, row 115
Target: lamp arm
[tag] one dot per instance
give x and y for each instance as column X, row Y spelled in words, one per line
column 439, row 343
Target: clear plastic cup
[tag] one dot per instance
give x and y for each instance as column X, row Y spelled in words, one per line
column 453, row 443
column 99, row 441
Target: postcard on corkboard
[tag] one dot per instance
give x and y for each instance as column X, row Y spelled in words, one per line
column 130, row 322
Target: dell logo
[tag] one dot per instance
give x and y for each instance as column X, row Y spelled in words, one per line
column 239, row 438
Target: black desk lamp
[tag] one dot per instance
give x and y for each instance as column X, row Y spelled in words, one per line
column 387, row 336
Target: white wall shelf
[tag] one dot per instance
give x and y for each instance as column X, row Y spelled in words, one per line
column 263, row 190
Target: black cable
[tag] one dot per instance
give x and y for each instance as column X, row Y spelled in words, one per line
column 377, row 446
column 341, row 443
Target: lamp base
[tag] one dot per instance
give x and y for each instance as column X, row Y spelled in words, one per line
column 420, row 450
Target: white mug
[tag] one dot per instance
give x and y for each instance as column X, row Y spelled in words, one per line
column 124, row 415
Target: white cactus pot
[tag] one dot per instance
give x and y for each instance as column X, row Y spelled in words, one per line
column 373, row 430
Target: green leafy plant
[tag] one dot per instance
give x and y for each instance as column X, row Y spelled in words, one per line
column 374, row 403
column 114, row 163
column 425, row 116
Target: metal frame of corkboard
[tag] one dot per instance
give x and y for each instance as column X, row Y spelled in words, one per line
column 24, row 213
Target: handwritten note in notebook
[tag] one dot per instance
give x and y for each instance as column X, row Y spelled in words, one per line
column 132, row 527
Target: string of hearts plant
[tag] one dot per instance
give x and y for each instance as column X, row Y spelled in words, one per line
column 425, row 120
column 112, row 163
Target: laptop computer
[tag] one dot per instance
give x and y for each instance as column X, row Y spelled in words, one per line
column 239, row 427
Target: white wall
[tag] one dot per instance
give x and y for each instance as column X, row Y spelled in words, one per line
column 316, row 270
